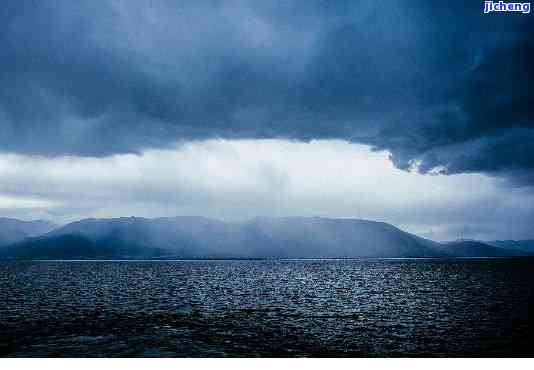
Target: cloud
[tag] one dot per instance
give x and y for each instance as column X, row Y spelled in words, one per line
column 242, row 179
column 443, row 87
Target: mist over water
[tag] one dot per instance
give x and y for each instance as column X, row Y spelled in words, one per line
column 402, row 307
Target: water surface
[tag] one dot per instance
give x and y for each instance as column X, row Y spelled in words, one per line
column 419, row 307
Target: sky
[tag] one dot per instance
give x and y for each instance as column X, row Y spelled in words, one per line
column 416, row 113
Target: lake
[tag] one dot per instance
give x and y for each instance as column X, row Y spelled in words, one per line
column 286, row 308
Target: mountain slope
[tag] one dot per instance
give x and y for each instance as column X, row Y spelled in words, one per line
column 332, row 238
column 181, row 236
column 197, row 237
column 467, row 248
column 519, row 245
column 72, row 246
column 13, row 230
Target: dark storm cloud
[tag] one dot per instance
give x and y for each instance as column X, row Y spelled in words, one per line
column 440, row 86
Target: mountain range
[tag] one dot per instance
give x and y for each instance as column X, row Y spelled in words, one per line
column 13, row 230
column 521, row 245
column 199, row 237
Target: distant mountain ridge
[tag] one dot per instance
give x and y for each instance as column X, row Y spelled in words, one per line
column 521, row 245
column 262, row 237
column 473, row 248
column 13, row 230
